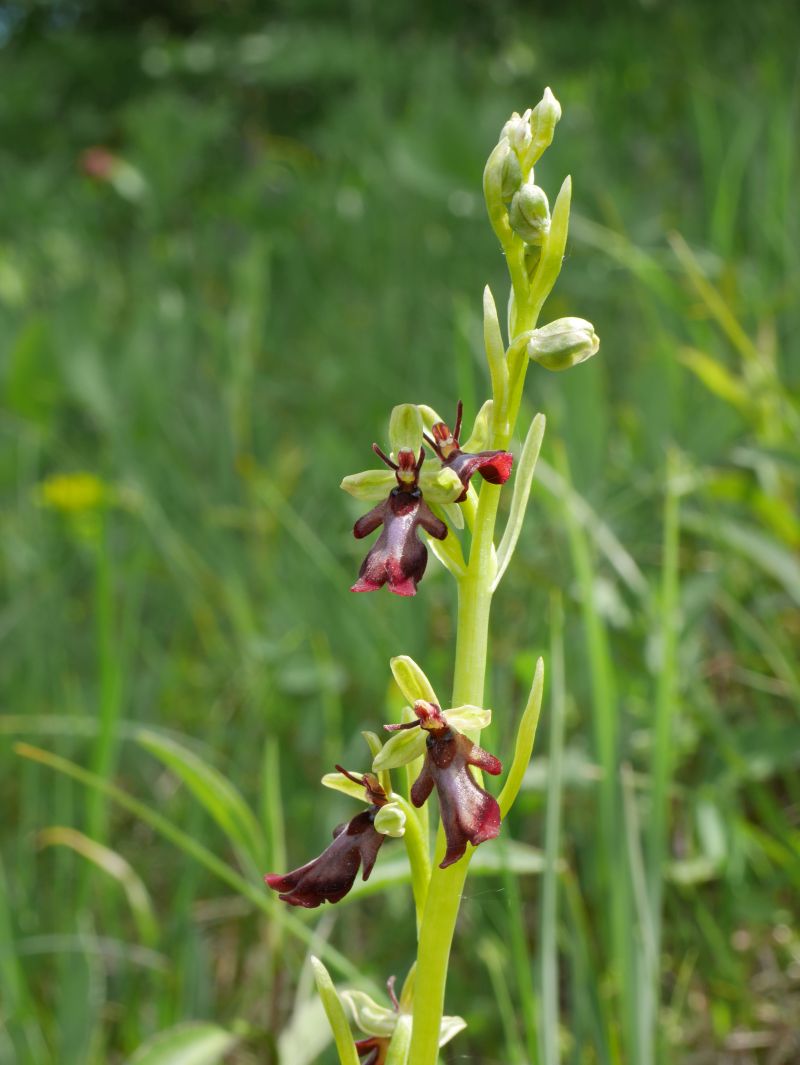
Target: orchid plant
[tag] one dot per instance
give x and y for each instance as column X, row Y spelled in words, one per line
column 431, row 485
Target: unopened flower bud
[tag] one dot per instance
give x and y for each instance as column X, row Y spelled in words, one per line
column 511, row 174
column 518, row 132
column 563, row 343
column 543, row 123
column 390, row 820
column 529, row 214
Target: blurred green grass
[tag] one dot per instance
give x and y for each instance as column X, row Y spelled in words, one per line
column 220, row 342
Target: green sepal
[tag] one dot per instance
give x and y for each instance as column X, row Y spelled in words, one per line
column 411, row 680
column 370, row 486
column 400, row 749
column 335, row 1012
column 405, row 428
column 440, row 486
column 369, row 1017
column 338, row 782
column 468, row 718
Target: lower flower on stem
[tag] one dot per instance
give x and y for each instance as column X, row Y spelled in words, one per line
column 329, row 877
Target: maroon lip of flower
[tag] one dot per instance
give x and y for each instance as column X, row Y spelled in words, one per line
column 398, row 557
column 329, row 877
column 97, row 163
column 493, row 466
column 373, row 1050
column 469, row 814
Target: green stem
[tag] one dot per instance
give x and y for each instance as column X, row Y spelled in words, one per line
column 474, row 606
column 418, row 855
column 446, row 885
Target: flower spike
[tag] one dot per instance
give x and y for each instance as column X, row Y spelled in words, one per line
column 398, row 557
column 493, row 466
column 469, row 814
column 355, row 845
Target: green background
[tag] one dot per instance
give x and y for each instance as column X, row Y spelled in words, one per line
column 217, row 336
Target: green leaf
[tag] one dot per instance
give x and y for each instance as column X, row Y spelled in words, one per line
column 526, row 734
column 717, row 379
column 194, row 1043
column 764, row 552
column 216, row 793
column 335, row 1013
column 519, row 500
column 115, row 866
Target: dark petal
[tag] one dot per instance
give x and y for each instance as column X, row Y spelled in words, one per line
column 369, row 522
column 423, row 785
column 329, row 877
column 373, row 1050
column 494, row 466
column 430, row 523
column 398, row 557
column 469, row 814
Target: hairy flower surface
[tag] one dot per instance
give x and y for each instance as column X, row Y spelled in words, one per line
column 398, row 557
column 493, row 466
column 329, row 877
column 469, row 814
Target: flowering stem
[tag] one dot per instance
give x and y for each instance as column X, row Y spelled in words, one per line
column 444, row 891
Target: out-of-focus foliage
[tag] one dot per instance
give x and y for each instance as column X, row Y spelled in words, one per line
column 205, row 327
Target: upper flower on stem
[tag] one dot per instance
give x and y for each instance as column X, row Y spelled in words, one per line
column 398, row 557
column 469, row 814
column 493, row 466
column 329, row 877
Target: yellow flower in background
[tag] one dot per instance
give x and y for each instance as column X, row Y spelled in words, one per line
column 73, row 493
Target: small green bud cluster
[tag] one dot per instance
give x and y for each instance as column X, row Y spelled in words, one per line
column 523, row 140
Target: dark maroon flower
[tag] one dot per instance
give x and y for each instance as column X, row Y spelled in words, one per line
column 398, row 557
column 469, row 814
column 373, row 1050
column 355, row 845
column 493, row 466
column 98, row 163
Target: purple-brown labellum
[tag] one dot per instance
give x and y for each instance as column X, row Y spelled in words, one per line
column 398, row 557
column 469, row 814
column 355, row 845
column 373, row 1050
column 493, row 466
